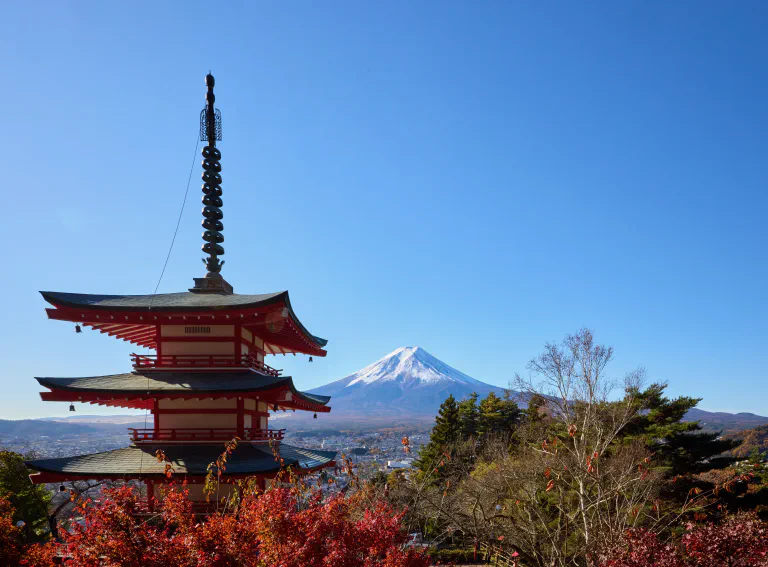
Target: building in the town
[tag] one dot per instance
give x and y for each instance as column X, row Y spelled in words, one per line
column 207, row 381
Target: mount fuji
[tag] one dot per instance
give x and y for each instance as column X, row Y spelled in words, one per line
column 407, row 383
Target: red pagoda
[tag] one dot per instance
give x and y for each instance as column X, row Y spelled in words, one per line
column 207, row 382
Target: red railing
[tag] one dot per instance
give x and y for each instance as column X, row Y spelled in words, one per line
column 205, row 434
column 145, row 361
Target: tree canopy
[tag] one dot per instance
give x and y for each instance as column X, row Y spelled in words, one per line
column 29, row 501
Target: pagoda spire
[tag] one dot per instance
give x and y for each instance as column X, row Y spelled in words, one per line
column 210, row 131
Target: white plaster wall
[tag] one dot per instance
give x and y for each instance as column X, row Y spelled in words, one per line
column 198, row 348
column 202, row 420
column 197, row 421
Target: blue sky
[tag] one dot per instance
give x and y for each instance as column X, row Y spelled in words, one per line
column 472, row 178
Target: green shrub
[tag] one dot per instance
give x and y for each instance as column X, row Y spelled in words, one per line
column 455, row 555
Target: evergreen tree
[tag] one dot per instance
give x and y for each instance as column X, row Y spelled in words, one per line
column 533, row 414
column 468, row 416
column 498, row 415
column 680, row 446
column 490, row 414
column 444, row 435
column 511, row 414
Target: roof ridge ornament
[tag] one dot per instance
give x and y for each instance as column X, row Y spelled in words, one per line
column 210, row 131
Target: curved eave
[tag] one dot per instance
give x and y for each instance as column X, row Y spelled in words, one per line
column 138, row 390
column 188, row 461
column 133, row 318
column 315, row 339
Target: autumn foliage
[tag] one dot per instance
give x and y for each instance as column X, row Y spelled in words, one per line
column 279, row 527
column 10, row 535
column 739, row 541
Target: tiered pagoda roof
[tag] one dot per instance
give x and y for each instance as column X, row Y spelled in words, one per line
column 137, row 389
column 133, row 317
column 187, row 459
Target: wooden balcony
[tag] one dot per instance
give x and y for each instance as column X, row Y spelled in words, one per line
column 203, row 435
column 200, row 362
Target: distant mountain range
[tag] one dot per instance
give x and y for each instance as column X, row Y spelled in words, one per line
column 403, row 389
column 726, row 422
column 59, row 426
column 409, row 384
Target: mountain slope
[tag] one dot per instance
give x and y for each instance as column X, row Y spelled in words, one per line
column 725, row 422
column 407, row 382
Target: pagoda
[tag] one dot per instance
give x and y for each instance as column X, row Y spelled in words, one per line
column 207, row 381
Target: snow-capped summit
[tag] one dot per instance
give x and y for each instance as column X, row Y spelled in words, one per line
column 408, row 364
column 408, row 380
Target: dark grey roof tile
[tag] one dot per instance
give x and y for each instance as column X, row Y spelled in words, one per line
column 155, row 383
column 186, row 459
column 182, row 301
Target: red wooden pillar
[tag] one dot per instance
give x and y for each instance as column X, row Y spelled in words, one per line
column 241, row 417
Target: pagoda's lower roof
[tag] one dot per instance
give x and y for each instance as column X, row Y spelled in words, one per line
column 108, row 390
column 140, row 461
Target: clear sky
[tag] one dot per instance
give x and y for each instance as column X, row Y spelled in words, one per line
column 474, row 178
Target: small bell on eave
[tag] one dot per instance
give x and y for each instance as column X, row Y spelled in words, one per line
column 71, row 407
column 274, row 408
column 310, row 359
column 78, row 329
column 314, row 416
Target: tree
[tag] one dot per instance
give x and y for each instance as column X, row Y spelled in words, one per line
column 10, row 535
column 679, row 447
column 498, row 415
column 468, row 416
column 30, row 501
column 444, row 435
column 13, row 551
column 285, row 526
column 572, row 488
column 536, row 407
column 490, row 420
column 751, row 440
column 325, row 533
